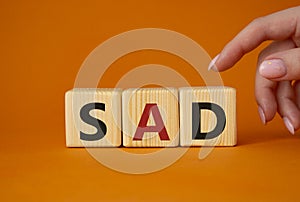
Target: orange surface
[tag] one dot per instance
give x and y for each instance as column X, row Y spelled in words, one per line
column 43, row 44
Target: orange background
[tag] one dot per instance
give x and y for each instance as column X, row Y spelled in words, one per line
column 43, row 44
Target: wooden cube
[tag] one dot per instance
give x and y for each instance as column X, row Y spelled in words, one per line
column 150, row 117
column 93, row 117
column 208, row 116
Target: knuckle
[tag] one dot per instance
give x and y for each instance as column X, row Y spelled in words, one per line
column 257, row 22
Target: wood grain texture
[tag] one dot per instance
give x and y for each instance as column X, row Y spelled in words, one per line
column 133, row 105
column 222, row 96
column 75, row 99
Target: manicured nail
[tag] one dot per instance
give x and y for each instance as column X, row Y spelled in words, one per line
column 262, row 115
column 289, row 125
column 211, row 65
column 272, row 68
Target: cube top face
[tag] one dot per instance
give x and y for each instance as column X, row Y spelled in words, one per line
column 93, row 117
column 95, row 90
column 150, row 117
column 208, row 89
column 223, row 98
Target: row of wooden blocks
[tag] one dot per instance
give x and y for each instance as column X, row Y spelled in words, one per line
column 151, row 117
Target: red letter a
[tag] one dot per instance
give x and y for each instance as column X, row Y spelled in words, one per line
column 159, row 124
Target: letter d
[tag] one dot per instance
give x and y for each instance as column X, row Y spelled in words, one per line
column 196, row 120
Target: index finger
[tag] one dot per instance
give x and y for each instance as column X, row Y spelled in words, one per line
column 277, row 26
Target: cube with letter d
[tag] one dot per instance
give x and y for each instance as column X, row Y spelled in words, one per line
column 150, row 117
column 207, row 116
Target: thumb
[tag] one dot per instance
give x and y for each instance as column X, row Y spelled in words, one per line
column 281, row 66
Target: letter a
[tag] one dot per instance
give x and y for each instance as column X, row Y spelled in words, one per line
column 159, row 124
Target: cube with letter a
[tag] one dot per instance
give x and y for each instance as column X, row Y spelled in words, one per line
column 150, row 117
column 93, row 117
column 208, row 116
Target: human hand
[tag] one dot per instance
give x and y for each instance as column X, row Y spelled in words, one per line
column 277, row 82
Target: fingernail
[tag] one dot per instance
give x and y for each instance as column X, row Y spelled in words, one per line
column 211, row 65
column 262, row 115
column 272, row 68
column 289, row 125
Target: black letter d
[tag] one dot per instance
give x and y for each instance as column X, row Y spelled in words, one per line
column 196, row 120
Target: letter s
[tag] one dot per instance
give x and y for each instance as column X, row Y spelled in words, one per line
column 87, row 118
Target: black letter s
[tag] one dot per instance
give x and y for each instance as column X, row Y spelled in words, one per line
column 87, row 118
